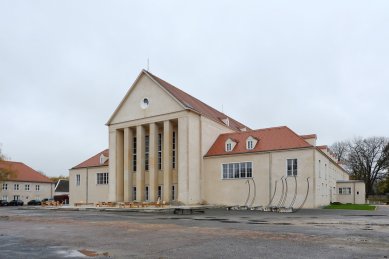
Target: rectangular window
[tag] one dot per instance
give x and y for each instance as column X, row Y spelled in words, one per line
column 16, row 187
column 102, row 178
column 134, row 193
column 5, row 186
column 250, row 144
column 174, row 150
column 345, row 190
column 228, row 147
column 37, row 187
column 16, row 197
column 5, row 198
column 147, row 150
column 160, row 192
column 237, row 170
column 134, row 154
column 146, row 193
column 26, row 187
column 78, row 179
column 173, row 193
column 291, row 167
column 160, row 151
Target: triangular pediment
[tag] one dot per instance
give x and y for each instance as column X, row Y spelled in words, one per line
column 145, row 98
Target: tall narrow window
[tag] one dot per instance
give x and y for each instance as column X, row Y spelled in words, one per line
column 228, row 147
column 146, row 193
column 160, row 192
column 147, row 150
column 37, row 187
column 27, row 187
column 78, row 179
column 160, row 151
column 134, row 154
column 134, row 193
column 174, row 150
column 250, row 144
column 173, row 193
column 291, row 167
column 102, row 178
column 16, row 187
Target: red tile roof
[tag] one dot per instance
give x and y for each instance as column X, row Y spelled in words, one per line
column 93, row 161
column 309, row 136
column 23, row 173
column 196, row 105
column 270, row 139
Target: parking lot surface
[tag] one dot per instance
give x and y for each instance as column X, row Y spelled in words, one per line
column 217, row 233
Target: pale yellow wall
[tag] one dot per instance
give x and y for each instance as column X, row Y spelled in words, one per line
column 160, row 102
column 267, row 168
column 357, row 195
column 88, row 190
column 327, row 173
column 46, row 190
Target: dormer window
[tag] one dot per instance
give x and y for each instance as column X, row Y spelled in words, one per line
column 229, row 145
column 251, row 142
column 103, row 159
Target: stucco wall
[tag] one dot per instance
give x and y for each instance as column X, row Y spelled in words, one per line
column 267, row 169
column 46, row 190
column 357, row 195
column 88, row 190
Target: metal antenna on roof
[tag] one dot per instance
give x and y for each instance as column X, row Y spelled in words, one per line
column 148, row 64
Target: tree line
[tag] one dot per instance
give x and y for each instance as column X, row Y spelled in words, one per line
column 366, row 159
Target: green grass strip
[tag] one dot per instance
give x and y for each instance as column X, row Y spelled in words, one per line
column 350, row 207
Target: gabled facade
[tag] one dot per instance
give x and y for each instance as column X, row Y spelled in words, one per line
column 165, row 144
column 25, row 183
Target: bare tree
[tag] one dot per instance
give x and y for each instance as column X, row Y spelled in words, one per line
column 368, row 160
column 5, row 171
column 340, row 150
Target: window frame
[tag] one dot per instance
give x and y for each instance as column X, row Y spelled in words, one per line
column 78, row 179
column 37, row 187
column 293, row 174
column 16, row 187
column 102, row 178
column 5, row 187
column 27, row 187
column 231, row 171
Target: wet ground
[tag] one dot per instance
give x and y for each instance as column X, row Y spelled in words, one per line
column 42, row 233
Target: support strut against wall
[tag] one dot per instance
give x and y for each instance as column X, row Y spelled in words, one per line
column 274, row 194
column 295, row 193
column 255, row 193
column 248, row 195
column 286, row 192
column 282, row 192
column 306, row 195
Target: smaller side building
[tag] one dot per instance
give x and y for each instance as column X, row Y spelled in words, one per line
column 61, row 191
column 25, row 183
column 352, row 191
column 88, row 181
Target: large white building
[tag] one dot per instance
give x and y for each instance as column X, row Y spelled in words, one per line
column 164, row 143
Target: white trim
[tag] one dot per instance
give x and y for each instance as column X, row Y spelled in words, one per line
column 252, row 170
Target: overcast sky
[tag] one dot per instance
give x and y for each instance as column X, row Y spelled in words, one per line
column 65, row 66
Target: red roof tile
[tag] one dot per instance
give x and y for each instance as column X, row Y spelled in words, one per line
column 309, row 136
column 94, row 160
column 23, row 173
column 278, row 138
column 196, row 105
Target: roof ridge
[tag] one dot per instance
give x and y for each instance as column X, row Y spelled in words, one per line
column 256, row 130
column 207, row 106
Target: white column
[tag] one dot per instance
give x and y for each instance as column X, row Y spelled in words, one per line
column 119, row 165
column 127, row 179
column 140, row 163
column 153, row 162
column 112, row 165
column 167, row 160
column 183, row 156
